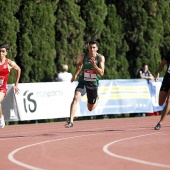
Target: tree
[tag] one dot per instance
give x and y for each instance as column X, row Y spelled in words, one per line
column 144, row 33
column 93, row 13
column 69, row 34
column 114, row 46
column 9, row 27
column 36, row 41
column 43, row 34
column 164, row 16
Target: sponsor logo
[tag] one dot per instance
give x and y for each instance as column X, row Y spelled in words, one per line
column 30, row 105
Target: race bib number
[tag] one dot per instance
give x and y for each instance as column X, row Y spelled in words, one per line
column 1, row 80
column 89, row 75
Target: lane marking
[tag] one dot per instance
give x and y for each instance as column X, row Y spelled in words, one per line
column 12, row 159
column 11, row 154
column 106, row 150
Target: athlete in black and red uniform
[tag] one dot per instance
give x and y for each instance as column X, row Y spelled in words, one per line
column 5, row 66
column 164, row 94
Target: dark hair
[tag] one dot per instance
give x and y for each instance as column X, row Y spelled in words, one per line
column 6, row 46
column 93, row 42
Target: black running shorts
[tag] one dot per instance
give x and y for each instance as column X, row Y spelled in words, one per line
column 165, row 85
column 91, row 92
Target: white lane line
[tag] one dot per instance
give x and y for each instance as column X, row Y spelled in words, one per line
column 106, row 150
column 11, row 154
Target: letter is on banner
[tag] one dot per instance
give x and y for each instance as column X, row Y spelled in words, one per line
column 12, row 114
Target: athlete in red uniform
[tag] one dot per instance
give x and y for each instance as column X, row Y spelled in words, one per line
column 5, row 66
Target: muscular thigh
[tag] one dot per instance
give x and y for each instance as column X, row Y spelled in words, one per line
column 162, row 97
column 2, row 95
column 81, row 88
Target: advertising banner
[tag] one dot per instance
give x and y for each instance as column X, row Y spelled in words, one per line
column 9, row 107
column 154, row 88
column 53, row 99
column 44, row 100
column 120, row 96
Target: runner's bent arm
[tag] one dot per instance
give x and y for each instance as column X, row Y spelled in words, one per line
column 14, row 66
column 100, row 69
column 78, row 69
column 160, row 69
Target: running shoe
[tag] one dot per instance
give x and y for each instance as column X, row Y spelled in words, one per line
column 2, row 122
column 69, row 124
column 158, row 126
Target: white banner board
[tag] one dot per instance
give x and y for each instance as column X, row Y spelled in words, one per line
column 53, row 99
column 44, row 100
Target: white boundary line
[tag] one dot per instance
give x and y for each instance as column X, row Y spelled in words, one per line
column 11, row 154
column 106, row 150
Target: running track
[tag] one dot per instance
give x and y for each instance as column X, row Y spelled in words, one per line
column 123, row 143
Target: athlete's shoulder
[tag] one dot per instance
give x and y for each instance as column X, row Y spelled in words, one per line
column 8, row 61
column 11, row 63
column 81, row 58
column 101, row 58
column 100, row 55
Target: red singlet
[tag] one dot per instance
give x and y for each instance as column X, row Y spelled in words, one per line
column 4, row 73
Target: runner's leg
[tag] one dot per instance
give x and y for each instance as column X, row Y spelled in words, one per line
column 73, row 106
column 162, row 97
column 1, row 98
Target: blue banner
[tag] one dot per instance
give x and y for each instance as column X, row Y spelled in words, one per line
column 154, row 88
column 120, row 96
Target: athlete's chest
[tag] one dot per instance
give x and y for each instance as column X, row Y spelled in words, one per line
column 87, row 62
column 4, row 69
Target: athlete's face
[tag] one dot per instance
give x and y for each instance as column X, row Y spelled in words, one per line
column 93, row 49
column 3, row 52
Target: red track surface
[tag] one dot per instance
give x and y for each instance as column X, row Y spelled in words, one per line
column 127, row 143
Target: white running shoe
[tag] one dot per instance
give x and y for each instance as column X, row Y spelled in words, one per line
column 2, row 122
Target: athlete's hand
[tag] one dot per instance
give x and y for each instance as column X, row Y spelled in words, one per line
column 93, row 61
column 156, row 78
column 16, row 89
